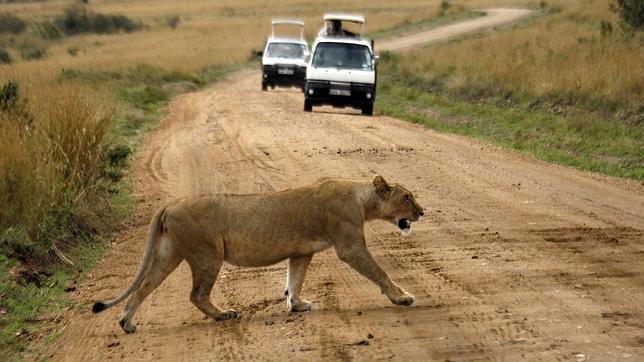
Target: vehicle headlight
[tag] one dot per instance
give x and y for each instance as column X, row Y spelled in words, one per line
column 368, row 95
column 310, row 91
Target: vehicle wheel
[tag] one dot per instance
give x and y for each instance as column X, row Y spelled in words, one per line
column 272, row 85
column 308, row 107
column 367, row 110
column 264, row 86
column 303, row 87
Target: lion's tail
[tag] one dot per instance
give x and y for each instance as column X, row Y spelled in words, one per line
column 154, row 233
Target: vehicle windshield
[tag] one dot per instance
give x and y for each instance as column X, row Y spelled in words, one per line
column 342, row 55
column 285, row 50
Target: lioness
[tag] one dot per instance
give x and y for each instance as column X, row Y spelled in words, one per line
column 264, row 229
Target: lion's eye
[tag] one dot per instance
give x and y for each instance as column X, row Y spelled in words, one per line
column 407, row 199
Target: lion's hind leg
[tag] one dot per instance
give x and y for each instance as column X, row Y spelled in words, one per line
column 204, row 273
column 295, row 278
column 164, row 261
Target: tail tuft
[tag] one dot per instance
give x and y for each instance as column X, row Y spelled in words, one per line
column 99, row 307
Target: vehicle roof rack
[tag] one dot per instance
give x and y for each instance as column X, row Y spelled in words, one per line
column 294, row 22
column 351, row 18
column 344, row 17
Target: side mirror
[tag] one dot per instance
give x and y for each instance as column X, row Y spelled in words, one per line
column 259, row 53
column 376, row 59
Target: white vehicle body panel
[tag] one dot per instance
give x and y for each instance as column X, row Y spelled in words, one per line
column 341, row 75
column 290, row 61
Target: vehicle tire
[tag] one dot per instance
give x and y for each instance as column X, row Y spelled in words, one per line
column 272, row 85
column 308, row 107
column 367, row 110
column 264, row 86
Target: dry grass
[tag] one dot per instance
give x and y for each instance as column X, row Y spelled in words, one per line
column 221, row 32
column 52, row 158
column 560, row 58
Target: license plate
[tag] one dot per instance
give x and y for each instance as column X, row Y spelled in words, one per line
column 340, row 92
column 286, row 71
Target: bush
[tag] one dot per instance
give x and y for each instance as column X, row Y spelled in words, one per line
column 73, row 51
column 444, row 6
column 5, row 58
column 605, row 28
column 32, row 49
column 78, row 20
column 13, row 106
column 173, row 21
column 8, row 96
column 631, row 12
column 48, row 30
column 10, row 23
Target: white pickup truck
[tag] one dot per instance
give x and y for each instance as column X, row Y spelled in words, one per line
column 342, row 69
column 284, row 58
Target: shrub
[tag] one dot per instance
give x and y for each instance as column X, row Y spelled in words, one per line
column 631, row 12
column 32, row 49
column 606, row 28
column 73, row 51
column 13, row 106
column 10, row 23
column 48, row 30
column 173, row 21
column 5, row 58
column 444, row 6
column 78, row 20
column 8, row 96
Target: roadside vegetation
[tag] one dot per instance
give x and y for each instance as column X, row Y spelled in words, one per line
column 575, row 98
column 79, row 85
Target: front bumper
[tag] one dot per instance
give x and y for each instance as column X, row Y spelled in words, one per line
column 283, row 74
column 339, row 94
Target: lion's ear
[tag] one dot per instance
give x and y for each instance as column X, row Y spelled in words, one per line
column 382, row 188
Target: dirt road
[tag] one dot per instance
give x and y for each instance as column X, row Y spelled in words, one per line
column 493, row 17
column 516, row 259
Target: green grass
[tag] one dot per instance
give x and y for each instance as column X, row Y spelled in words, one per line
column 585, row 141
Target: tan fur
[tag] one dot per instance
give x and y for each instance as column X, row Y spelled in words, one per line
column 264, row 229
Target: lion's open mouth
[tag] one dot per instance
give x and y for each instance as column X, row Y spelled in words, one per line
column 405, row 226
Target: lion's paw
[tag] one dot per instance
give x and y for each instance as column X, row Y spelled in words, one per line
column 300, row 306
column 229, row 314
column 128, row 327
column 405, row 299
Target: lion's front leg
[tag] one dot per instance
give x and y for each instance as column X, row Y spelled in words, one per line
column 295, row 277
column 360, row 259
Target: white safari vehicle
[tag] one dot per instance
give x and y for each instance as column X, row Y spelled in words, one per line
column 284, row 58
column 342, row 69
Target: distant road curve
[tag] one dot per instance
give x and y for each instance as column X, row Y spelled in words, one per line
column 494, row 17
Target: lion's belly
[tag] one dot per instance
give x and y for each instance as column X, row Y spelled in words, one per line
column 254, row 253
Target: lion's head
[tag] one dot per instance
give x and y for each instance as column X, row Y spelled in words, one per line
column 397, row 204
